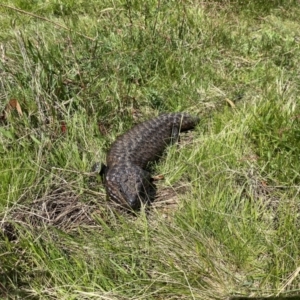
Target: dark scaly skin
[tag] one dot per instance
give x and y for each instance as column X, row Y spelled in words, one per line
column 125, row 178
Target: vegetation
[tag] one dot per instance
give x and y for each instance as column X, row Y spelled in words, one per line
column 76, row 74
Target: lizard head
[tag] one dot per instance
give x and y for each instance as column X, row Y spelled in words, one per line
column 128, row 185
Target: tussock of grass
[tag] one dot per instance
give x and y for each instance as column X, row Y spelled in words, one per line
column 226, row 218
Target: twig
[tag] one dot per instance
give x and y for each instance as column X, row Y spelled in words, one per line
column 44, row 19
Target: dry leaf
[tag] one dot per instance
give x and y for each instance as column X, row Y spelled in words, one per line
column 13, row 104
column 63, row 127
column 231, row 104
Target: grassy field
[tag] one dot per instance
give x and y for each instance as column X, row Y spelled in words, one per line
column 76, row 74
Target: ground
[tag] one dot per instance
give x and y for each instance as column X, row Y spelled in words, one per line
column 76, row 74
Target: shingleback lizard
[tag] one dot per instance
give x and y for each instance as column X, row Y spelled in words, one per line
column 126, row 179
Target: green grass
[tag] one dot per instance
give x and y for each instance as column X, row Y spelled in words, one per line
column 226, row 221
